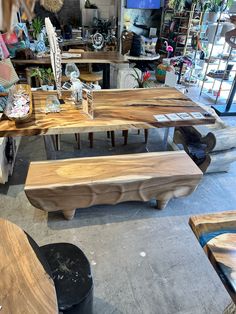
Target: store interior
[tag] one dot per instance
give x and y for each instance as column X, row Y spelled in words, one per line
column 118, row 156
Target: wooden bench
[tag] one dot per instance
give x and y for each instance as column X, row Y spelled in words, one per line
column 217, row 235
column 68, row 184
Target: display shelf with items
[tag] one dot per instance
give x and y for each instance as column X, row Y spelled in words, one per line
column 177, row 30
column 220, row 63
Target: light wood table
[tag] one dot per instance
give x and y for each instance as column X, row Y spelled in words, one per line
column 217, row 235
column 114, row 110
column 104, row 57
column 25, row 286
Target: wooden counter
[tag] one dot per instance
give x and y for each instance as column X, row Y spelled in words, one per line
column 105, row 57
column 114, row 110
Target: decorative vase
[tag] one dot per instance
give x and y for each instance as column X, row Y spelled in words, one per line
column 161, row 72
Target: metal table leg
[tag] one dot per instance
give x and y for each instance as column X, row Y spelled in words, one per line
column 165, row 139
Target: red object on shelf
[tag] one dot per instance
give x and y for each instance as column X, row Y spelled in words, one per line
column 10, row 38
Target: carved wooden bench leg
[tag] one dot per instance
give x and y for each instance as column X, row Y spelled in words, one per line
column 161, row 204
column 69, row 214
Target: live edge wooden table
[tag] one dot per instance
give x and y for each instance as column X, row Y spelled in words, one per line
column 217, row 235
column 114, row 110
column 102, row 57
column 25, row 286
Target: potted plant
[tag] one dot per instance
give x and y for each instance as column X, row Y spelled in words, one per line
column 37, row 25
column 141, row 78
column 213, row 9
column 176, row 5
column 49, row 78
column 39, row 74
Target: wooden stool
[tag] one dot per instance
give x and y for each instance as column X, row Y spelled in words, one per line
column 72, row 277
column 88, row 77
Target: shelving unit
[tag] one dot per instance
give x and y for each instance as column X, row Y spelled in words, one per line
column 220, row 89
column 182, row 26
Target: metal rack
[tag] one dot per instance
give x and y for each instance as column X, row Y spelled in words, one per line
column 220, row 63
column 179, row 49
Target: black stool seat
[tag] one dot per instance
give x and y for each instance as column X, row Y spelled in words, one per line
column 72, row 277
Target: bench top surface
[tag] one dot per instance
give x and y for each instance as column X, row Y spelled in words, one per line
column 92, row 170
column 25, row 287
column 217, row 235
column 114, row 110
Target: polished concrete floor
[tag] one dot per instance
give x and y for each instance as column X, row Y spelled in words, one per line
column 143, row 260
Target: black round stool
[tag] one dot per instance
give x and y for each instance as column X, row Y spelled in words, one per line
column 72, row 277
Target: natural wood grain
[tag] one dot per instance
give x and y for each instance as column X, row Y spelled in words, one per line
column 73, row 183
column 25, row 287
column 114, row 110
column 106, row 57
column 208, row 223
column 221, row 252
column 216, row 232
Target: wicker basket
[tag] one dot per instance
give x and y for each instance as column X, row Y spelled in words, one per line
column 14, row 90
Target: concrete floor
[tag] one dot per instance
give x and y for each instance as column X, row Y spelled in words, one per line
column 143, row 260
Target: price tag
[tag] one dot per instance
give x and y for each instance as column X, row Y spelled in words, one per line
column 197, row 115
column 173, row 117
column 161, row 118
column 185, row 116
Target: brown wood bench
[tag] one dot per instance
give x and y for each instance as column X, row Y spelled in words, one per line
column 68, row 184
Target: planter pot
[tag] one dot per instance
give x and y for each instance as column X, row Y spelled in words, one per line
column 44, row 87
column 211, row 30
column 50, row 87
column 211, row 17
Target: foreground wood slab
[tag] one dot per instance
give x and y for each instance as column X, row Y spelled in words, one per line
column 69, row 184
column 217, row 235
column 114, row 110
column 25, row 287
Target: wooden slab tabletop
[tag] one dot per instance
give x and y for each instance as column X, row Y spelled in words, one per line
column 107, row 57
column 25, row 287
column 217, row 235
column 114, row 110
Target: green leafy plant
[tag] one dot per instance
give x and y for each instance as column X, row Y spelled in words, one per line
column 37, row 25
column 216, row 5
column 142, row 78
column 49, row 76
column 176, row 5
column 45, row 76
